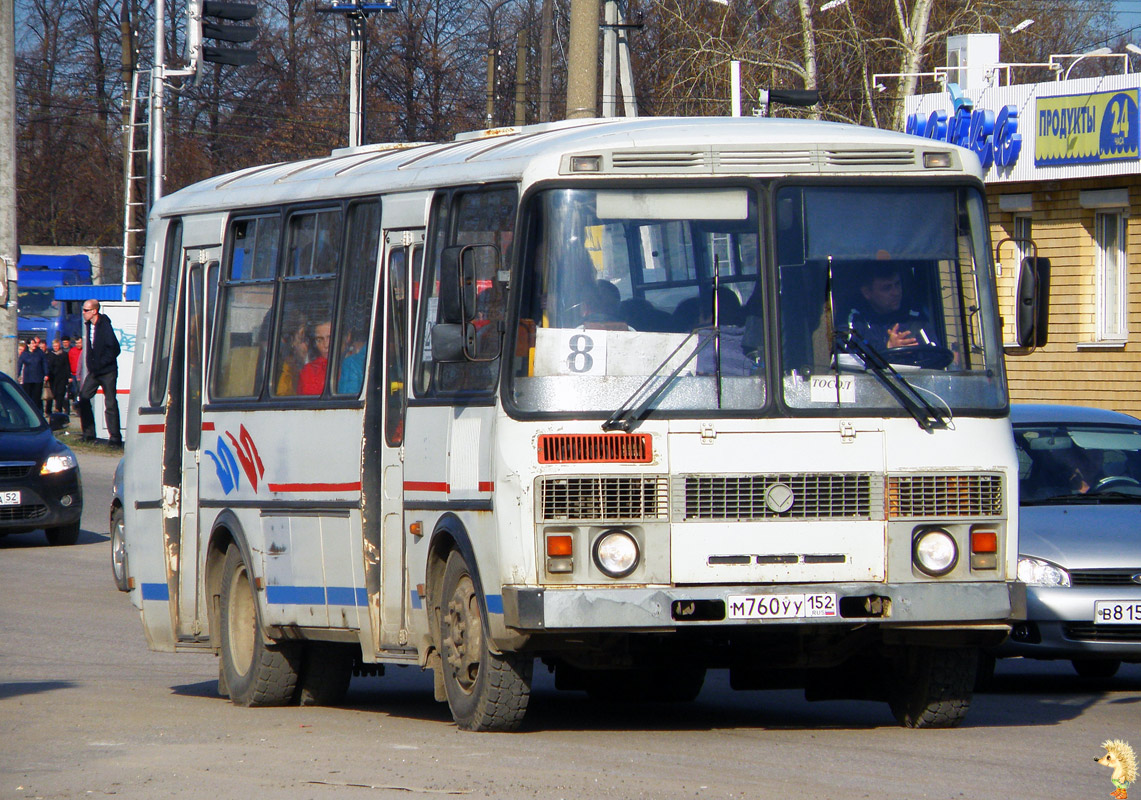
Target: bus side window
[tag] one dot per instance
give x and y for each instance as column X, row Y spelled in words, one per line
column 362, row 241
column 246, row 302
column 305, row 336
column 476, row 217
column 168, row 294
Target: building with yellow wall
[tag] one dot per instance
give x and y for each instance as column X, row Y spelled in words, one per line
column 1074, row 189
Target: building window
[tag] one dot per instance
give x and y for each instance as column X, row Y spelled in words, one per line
column 1112, row 271
column 1023, row 234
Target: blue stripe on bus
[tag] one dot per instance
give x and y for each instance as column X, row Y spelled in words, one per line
column 494, row 602
column 315, row 596
column 155, row 591
column 341, row 596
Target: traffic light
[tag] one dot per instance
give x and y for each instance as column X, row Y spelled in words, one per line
column 210, row 19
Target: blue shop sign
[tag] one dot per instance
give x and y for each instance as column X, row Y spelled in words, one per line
column 993, row 137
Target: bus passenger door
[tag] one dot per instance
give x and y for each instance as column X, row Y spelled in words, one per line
column 403, row 252
column 183, row 433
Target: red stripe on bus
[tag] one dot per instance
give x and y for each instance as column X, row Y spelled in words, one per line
column 207, row 426
column 315, row 487
column 426, row 486
column 157, row 427
column 486, row 486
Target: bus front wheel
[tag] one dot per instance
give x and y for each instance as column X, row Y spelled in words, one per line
column 933, row 686
column 253, row 672
column 486, row 691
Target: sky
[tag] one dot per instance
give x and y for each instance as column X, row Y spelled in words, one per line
column 1129, row 16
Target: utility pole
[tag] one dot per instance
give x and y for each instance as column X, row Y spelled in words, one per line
column 545, row 35
column 357, row 12
column 582, row 69
column 521, row 78
column 9, row 243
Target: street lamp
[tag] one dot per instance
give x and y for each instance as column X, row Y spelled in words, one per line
column 1026, row 23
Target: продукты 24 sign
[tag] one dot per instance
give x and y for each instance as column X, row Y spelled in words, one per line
column 1088, row 128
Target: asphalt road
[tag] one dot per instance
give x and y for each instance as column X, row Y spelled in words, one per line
column 86, row 710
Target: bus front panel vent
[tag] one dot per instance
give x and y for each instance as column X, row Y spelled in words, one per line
column 595, row 448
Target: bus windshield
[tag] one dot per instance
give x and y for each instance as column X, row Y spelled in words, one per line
column 656, row 297
column 628, row 285
column 881, row 279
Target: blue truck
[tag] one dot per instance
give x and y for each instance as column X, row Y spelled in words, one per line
column 39, row 312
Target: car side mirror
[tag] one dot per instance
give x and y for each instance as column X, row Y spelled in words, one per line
column 58, row 421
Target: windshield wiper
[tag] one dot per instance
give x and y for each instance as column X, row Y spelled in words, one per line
column 632, row 409
column 926, row 415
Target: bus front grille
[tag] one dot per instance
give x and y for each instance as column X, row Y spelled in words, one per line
column 603, row 497
column 944, row 495
column 805, row 496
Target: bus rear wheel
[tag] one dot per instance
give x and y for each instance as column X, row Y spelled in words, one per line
column 486, row 691
column 253, row 672
column 933, row 686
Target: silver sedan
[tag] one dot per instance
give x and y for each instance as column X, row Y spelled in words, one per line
column 1079, row 537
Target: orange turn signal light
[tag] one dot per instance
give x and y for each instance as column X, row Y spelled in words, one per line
column 560, row 546
column 984, row 541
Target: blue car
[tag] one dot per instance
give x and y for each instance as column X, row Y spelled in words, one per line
column 1079, row 537
column 40, row 486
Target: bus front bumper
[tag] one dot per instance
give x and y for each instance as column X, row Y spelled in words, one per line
column 954, row 605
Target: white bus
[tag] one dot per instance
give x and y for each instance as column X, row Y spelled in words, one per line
column 619, row 396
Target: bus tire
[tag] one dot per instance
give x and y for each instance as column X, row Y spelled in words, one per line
column 255, row 673
column 933, row 686
column 118, row 549
column 486, row 691
column 326, row 672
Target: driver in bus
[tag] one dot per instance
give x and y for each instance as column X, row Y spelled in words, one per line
column 882, row 319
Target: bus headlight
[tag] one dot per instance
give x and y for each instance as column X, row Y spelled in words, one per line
column 616, row 553
column 934, row 551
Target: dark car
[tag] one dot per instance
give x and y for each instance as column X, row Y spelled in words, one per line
column 1079, row 537
column 39, row 476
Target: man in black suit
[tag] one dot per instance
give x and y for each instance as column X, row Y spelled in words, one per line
column 101, row 353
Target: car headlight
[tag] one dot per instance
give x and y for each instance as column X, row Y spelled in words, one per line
column 1036, row 572
column 616, row 553
column 935, row 552
column 60, row 462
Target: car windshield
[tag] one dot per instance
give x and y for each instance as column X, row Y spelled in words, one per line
column 16, row 413
column 1075, row 462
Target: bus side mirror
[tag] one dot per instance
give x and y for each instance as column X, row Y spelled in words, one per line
column 464, row 271
column 451, row 308
column 448, row 342
column 1032, row 295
